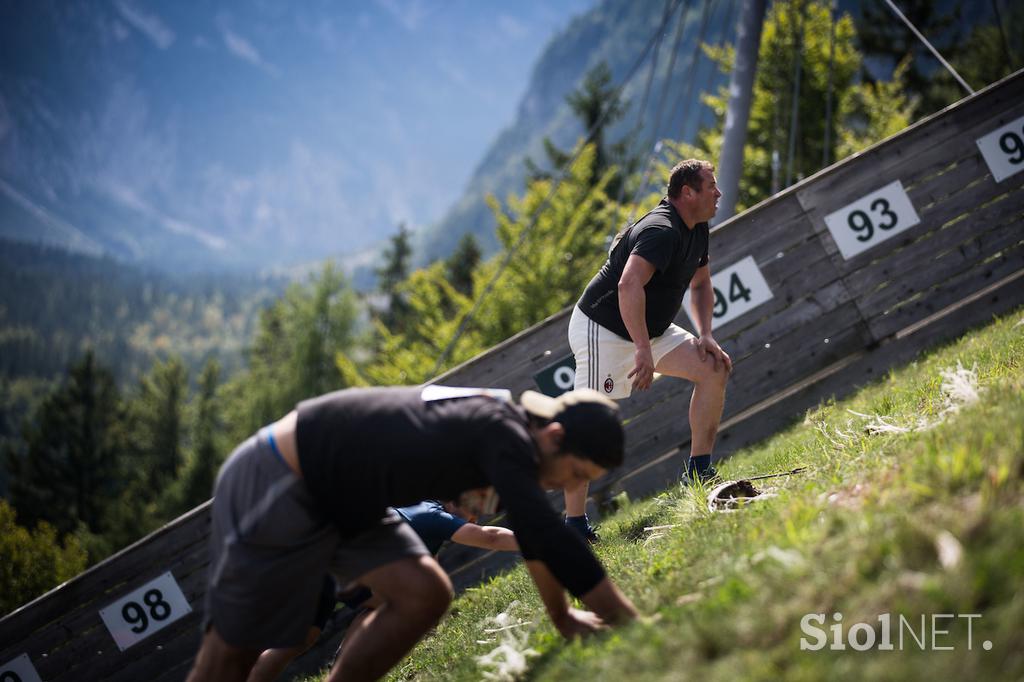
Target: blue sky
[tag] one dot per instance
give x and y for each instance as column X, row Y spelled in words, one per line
column 299, row 129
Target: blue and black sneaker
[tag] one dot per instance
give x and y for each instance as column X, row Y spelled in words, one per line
column 581, row 524
column 699, row 469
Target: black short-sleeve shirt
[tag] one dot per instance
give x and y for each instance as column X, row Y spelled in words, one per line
column 362, row 450
column 675, row 250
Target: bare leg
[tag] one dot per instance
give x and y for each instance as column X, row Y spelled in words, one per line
column 416, row 593
column 272, row 662
column 218, row 661
column 708, row 397
column 576, row 500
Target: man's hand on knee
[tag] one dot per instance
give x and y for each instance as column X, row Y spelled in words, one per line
column 706, row 345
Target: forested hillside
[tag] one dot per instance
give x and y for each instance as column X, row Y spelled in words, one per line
column 146, row 382
column 55, row 305
column 666, row 98
column 615, row 32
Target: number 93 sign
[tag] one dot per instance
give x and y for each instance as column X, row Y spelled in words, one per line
column 148, row 609
column 872, row 219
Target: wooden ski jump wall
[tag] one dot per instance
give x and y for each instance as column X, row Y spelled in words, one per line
column 820, row 288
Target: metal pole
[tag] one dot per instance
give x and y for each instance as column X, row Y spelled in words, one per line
column 826, row 151
column 737, row 114
column 798, row 55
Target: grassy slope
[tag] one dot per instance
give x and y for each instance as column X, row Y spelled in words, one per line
column 858, row 534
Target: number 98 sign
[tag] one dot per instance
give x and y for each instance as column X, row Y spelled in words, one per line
column 148, row 609
column 872, row 219
column 19, row 670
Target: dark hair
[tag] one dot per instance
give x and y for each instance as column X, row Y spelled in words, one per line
column 593, row 431
column 687, row 173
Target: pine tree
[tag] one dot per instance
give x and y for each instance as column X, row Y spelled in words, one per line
column 159, row 422
column 883, row 36
column 196, row 482
column 597, row 106
column 395, row 270
column 75, row 446
column 463, row 262
column 861, row 113
column 292, row 356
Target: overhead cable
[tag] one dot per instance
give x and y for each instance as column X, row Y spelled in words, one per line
column 468, row 317
column 920, row 36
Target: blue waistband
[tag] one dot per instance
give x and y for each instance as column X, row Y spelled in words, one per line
column 268, row 431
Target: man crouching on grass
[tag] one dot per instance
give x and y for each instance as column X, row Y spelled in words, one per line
column 310, row 494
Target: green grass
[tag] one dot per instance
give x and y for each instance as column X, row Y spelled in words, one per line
column 859, row 533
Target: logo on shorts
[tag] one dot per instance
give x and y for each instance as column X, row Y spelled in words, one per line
column 608, row 385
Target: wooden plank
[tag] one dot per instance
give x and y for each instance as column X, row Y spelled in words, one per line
column 984, row 220
column 665, row 427
column 105, row 576
column 137, row 662
column 793, row 279
column 1009, row 261
column 916, row 150
column 887, row 307
column 873, row 365
column 778, row 226
column 81, row 630
column 522, row 346
column 931, row 261
column 811, row 309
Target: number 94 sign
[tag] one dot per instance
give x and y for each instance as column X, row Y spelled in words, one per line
column 739, row 288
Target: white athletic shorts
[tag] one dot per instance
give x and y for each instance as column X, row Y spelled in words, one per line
column 604, row 359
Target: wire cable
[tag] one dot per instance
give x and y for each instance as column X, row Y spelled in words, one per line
column 694, row 57
column 693, row 63
column 656, row 149
column 920, row 36
column 468, row 317
column 639, row 125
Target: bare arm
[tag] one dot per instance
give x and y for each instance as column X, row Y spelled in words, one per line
column 609, row 605
column 486, row 537
column 633, row 308
column 702, row 303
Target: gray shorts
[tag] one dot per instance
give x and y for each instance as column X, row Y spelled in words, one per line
column 270, row 549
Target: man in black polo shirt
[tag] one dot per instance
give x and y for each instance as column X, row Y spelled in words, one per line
column 310, row 495
column 621, row 330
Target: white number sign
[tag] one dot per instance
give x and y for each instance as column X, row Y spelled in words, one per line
column 1003, row 150
column 148, row 609
column 19, row 669
column 872, row 219
column 739, row 288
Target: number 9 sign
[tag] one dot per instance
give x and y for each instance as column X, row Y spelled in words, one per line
column 1003, row 150
column 19, row 670
column 738, row 289
column 872, row 219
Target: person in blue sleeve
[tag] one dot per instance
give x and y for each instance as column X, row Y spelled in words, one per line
column 435, row 523
column 313, row 493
